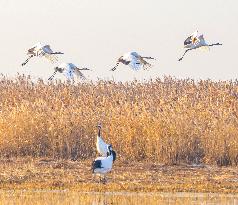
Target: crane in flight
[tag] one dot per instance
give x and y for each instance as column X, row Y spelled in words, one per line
column 134, row 61
column 69, row 70
column 195, row 41
column 41, row 50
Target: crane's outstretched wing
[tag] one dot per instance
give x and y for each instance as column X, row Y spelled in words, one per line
column 188, row 41
column 192, row 40
column 144, row 63
column 47, row 49
column 47, row 52
column 31, row 51
column 79, row 74
column 68, row 72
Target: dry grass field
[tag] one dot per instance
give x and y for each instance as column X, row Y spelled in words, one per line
column 168, row 120
column 47, row 174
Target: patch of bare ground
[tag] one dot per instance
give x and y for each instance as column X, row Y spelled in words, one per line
column 46, row 173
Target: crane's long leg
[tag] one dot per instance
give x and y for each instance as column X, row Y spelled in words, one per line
column 150, row 58
column 84, row 69
column 52, row 76
column 215, row 44
column 26, row 61
column 55, row 53
column 115, row 67
column 104, row 180
column 184, row 54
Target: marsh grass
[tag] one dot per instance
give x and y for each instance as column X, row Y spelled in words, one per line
column 168, row 120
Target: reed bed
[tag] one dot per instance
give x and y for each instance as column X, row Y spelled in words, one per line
column 167, row 120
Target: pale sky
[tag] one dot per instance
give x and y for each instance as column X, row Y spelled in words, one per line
column 94, row 33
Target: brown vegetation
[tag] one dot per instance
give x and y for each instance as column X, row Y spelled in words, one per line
column 28, row 174
column 168, row 121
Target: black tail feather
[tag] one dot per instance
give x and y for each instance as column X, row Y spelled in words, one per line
column 96, row 164
column 114, row 155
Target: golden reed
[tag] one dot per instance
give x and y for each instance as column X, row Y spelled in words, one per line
column 165, row 120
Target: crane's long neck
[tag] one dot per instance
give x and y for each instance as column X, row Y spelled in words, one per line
column 99, row 132
column 115, row 67
column 189, row 49
column 26, row 61
column 53, row 75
